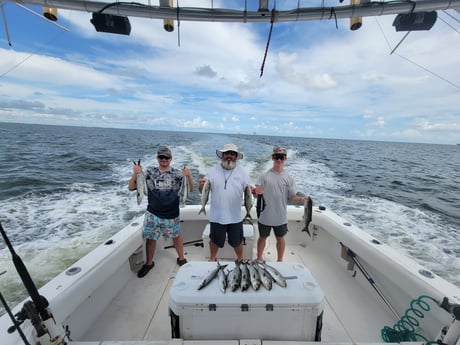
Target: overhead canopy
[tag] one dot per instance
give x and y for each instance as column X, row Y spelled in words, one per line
column 262, row 14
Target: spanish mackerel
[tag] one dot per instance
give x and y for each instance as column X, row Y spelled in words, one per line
column 210, row 277
column 205, row 196
column 245, row 278
column 236, row 278
column 254, row 276
column 141, row 184
column 275, row 274
column 265, row 277
column 184, row 190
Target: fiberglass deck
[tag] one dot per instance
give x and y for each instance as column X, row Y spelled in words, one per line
column 351, row 314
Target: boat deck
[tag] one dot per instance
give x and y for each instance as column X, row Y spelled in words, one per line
column 141, row 308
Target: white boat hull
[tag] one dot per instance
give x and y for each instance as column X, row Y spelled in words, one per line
column 100, row 299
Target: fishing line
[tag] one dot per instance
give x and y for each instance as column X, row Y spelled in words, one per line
column 34, row 52
column 413, row 62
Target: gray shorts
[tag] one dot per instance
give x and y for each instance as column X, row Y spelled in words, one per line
column 280, row 230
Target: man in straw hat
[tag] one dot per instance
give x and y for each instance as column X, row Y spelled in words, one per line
column 227, row 182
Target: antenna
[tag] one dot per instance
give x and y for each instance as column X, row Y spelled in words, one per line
column 6, row 24
column 41, row 16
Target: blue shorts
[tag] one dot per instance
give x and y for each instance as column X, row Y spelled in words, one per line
column 234, row 233
column 280, row 230
column 155, row 226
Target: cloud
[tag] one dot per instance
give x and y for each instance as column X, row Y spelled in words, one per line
column 205, row 71
column 318, row 80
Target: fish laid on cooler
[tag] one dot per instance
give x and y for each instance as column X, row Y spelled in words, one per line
column 210, row 277
column 245, row 278
column 223, row 280
column 205, row 196
column 275, row 274
column 248, row 202
column 254, row 276
column 236, row 278
column 265, row 278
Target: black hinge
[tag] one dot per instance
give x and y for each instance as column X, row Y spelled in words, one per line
column 269, row 307
column 212, row 307
column 244, row 307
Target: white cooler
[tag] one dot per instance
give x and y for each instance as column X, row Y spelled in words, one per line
column 227, row 252
column 293, row 313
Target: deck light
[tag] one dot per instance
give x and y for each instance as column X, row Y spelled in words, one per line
column 168, row 24
column 50, row 13
column 355, row 22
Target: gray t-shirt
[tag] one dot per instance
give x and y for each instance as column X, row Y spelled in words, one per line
column 278, row 189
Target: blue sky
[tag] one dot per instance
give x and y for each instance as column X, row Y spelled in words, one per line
column 319, row 81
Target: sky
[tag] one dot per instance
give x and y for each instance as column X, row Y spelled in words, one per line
column 320, row 80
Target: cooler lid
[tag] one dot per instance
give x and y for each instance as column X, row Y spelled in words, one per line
column 302, row 289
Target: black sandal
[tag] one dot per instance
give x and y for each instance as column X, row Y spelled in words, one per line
column 144, row 270
column 181, row 262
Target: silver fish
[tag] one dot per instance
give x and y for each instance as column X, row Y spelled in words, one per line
column 236, row 278
column 223, row 280
column 254, row 276
column 307, row 212
column 275, row 274
column 141, row 187
column 265, row 278
column 210, row 277
column 184, row 190
column 245, row 279
column 205, row 196
column 248, row 201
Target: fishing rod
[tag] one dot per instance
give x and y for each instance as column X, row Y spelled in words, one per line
column 35, row 310
column 197, row 243
column 26, row 278
column 371, row 281
column 13, row 319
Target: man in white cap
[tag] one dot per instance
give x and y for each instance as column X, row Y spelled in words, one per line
column 277, row 188
column 162, row 215
column 228, row 182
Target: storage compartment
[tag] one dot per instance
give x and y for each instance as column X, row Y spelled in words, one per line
column 137, row 259
column 292, row 313
column 227, row 252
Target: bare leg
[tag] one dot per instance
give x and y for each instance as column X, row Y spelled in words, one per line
column 260, row 248
column 179, row 245
column 150, row 246
column 280, row 247
column 239, row 252
column 213, row 248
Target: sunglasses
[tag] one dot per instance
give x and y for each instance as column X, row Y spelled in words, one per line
column 164, row 157
column 230, row 153
column 279, row 156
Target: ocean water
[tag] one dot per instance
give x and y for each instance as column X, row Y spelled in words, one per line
column 63, row 190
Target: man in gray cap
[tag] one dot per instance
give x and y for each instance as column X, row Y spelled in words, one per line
column 277, row 187
column 228, row 182
column 162, row 215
